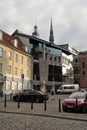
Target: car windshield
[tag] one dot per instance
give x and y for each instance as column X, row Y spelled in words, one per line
column 77, row 96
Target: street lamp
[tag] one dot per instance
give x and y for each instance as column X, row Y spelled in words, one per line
column 35, row 81
column 53, row 83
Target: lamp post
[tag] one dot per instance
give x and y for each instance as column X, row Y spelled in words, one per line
column 53, row 83
column 53, row 77
column 35, row 80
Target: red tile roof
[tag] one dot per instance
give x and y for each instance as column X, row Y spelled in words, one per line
column 8, row 40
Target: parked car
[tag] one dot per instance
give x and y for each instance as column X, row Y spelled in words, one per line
column 83, row 89
column 31, row 95
column 69, row 103
column 68, row 89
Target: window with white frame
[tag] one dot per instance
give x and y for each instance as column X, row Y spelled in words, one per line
column 10, row 55
column 21, row 59
column 8, row 85
column 16, row 71
column 9, row 69
column 27, row 62
column 0, row 67
column 26, row 48
column 16, row 58
column 1, row 52
column 27, row 73
column 15, row 42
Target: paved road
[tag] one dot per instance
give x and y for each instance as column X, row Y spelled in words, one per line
column 29, row 122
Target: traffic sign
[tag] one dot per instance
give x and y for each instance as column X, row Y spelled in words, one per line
column 22, row 76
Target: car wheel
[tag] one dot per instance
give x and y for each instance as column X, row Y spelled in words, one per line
column 17, row 99
column 59, row 93
column 64, row 110
column 84, row 110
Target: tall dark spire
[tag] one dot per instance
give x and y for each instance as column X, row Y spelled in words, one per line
column 35, row 33
column 51, row 37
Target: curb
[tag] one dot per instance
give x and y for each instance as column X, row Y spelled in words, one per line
column 48, row 115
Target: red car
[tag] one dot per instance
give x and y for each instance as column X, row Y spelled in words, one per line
column 76, row 101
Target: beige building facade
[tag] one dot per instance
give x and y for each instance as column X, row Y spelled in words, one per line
column 15, row 64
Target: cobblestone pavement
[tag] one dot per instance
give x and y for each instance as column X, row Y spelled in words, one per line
column 30, row 122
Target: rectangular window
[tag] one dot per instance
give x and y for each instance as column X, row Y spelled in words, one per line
column 0, row 67
column 8, row 85
column 1, row 52
column 15, row 42
column 27, row 62
column 27, row 73
column 21, row 59
column 83, row 73
column 51, row 58
column 9, row 69
column 16, row 71
column 55, row 58
column 59, row 59
column 16, row 58
column 83, row 64
column 10, row 55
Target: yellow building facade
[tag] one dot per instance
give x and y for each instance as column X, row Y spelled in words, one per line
column 15, row 64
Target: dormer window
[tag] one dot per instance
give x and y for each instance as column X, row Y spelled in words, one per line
column 15, row 42
column 26, row 48
column 1, row 35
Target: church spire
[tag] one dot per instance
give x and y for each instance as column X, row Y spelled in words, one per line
column 51, row 37
column 35, row 33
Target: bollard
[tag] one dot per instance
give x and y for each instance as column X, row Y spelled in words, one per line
column 18, row 103
column 76, row 106
column 32, row 103
column 59, row 105
column 5, row 101
column 45, row 108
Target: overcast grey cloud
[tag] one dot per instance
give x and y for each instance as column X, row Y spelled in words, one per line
column 69, row 19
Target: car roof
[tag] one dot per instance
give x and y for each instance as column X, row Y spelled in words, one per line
column 32, row 90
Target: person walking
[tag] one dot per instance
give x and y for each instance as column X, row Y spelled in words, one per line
column 52, row 93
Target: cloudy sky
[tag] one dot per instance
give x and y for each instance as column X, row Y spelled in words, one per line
column 69, row 19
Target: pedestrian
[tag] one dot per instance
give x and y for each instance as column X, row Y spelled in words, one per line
column 52, row 93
